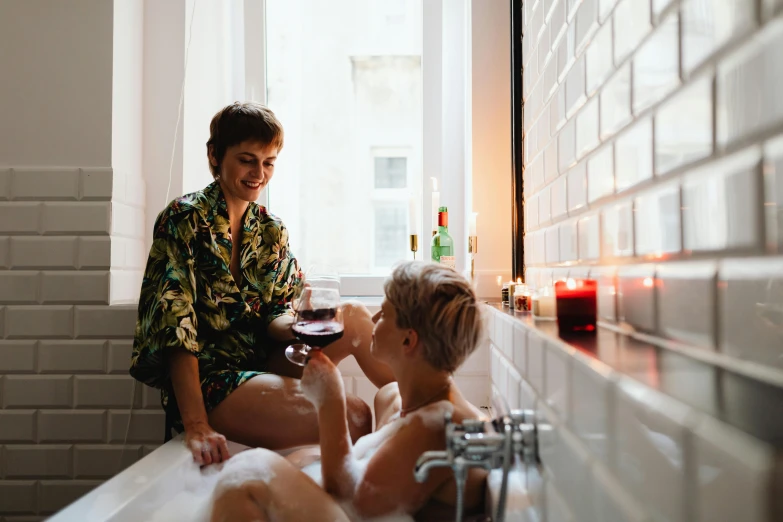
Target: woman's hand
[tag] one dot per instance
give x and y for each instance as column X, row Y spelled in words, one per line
column 207, row 445
column 321, row 380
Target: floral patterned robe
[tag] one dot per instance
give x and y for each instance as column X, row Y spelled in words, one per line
column 189, row 298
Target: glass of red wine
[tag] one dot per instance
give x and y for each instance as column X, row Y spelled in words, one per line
column 319, row 322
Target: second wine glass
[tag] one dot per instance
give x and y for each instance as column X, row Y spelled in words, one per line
column 319, row 322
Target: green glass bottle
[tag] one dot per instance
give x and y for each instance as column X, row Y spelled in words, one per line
column 442, row 246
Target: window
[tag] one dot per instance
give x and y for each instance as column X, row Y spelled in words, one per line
column 345, row 79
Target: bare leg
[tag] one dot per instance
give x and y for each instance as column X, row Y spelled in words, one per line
column 288, row 495
column 270, row 411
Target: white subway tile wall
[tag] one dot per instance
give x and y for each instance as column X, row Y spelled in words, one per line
column 678, row 202
column 58, row 251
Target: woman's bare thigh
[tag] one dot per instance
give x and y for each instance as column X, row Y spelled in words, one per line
column 271, row 411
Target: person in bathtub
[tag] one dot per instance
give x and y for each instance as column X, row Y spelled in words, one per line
column 430, row 321
column 215, row 308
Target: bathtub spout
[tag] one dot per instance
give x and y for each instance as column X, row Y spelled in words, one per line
column 428, row 461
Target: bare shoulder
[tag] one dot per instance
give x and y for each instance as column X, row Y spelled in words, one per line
column 387, row 403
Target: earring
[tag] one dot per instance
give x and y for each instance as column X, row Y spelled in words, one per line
column 217, row 176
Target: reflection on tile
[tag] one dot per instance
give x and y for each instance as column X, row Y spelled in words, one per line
column 575, row 87
column 587, row 128
column 558, row 20
column 531, row 213
column 748, row 89
column 751, row 309
column 586, row 23
column 559, row 201
column 773, row 194
column 633, row 155
column 589, row 238
column 657, row 221
column 568, row 242
column 617, row 227
column 534, row 174
column 550, row 161
column 616, row 102
column 631, row 25
column 707, row 25
column 592, row 406
column 655, row 65
column 600, row 173
column 721, row 209
column 652, row 450
column 727, row 460
column 557, row 380
column 557, row 109
column 544, row 205
column 568, row 467
column 612, row 502
column 577, row 188
column 567, row 145
column 598, row 58
column 686, row 302
column 604, row 8
column 607, row 292
column 535, row 361
column 636, row 296
column 519, row 351
column 683, row 127
column 552, row 244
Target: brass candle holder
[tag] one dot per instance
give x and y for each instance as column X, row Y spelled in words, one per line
column 472, row 250
column 414, row 244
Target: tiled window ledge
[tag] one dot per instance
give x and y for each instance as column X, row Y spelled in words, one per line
column 670, row 437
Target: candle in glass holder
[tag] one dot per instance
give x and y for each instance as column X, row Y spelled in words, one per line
column 576, row 305
column 504, row 295
column 543, row 304
column 521, row 299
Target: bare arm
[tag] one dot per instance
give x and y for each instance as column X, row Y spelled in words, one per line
column 206, row 445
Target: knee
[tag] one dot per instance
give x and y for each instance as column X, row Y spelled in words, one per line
column 359, row 417
column 354, row 311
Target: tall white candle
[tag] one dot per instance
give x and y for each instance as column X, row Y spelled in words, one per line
column 435, row 203
column 413, row 220
column 472, row 227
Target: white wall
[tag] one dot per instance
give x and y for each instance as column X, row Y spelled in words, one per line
column 490, row 141
column 55, row 111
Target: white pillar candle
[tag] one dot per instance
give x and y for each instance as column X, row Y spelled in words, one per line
column 472, row 225
column 413, row 220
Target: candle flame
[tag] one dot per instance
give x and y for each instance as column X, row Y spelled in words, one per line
column 434, row 184
column 519, row 280
column 648, row 282
column 570, row 284
column 500, row 280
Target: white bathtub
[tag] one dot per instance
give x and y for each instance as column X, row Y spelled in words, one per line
column 167, row 486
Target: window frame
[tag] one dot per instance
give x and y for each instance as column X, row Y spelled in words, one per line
column 437, row 89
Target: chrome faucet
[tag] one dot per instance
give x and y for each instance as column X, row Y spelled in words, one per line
column 470, row 445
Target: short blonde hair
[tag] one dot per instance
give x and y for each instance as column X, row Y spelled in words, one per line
column 440, row 305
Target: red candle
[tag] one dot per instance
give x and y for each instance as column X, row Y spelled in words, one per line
column 576, row 305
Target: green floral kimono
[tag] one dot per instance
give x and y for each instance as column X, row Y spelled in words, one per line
column 189, row 298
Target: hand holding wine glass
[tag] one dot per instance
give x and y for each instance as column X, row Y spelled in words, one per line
column 319, row 322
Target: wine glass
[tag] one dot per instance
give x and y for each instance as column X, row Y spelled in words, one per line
column 319, row 322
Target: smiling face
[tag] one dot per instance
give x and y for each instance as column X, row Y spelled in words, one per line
column 246, row 169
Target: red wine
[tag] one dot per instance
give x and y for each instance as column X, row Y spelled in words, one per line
column 318, row 333
column 319, row 314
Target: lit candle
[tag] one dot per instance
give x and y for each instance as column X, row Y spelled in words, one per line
column 413, row 221
column 521, row 298
column 435, row 203
column 472, row 225
column 576, row 305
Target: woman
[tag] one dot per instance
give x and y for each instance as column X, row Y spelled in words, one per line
column 429, row 323
column 214, row 320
